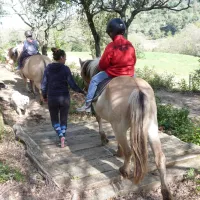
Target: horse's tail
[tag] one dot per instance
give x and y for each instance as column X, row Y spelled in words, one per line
column 45, row 62
column 139, row 110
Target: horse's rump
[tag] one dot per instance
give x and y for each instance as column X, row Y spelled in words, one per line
column 119, row 90
column 34, row 66
column 34, row 69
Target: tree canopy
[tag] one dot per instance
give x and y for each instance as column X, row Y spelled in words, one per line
column 41, row 17
column 155, row 18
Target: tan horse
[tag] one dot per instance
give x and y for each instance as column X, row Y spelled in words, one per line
column 33, row 69
column 130, row 103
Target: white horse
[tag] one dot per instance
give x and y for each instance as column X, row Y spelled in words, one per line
column 127, row 103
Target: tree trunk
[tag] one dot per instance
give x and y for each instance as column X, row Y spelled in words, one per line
column 45, row 45
column 94, row 33
column 44, row 49
column 127, row 22
column 97, row 44
column 126, row 33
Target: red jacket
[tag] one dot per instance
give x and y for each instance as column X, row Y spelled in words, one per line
column 118, row 58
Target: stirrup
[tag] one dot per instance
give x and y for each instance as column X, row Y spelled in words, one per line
column 84, row 108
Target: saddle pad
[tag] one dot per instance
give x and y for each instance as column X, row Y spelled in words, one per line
column 101, row 86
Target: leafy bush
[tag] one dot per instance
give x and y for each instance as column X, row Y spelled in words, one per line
column 2, row 56
column 73, row 66
column 183, row 86
column 157, row 81
column 186, row 42
column 73, row 105
column 194, row 82
column 177, row 122
column 7, row 173
column 174, row 120
column 2, row 130
column 139, row 51
column 78, row 79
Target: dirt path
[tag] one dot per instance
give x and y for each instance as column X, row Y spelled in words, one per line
column 35, row 186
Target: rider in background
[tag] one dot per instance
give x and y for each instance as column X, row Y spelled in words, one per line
column 118, row 59
column 57, row 76
column 30, row 47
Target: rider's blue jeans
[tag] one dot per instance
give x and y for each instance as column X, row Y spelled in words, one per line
column 93, row 85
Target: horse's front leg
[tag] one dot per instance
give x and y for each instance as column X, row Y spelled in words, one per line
column 104, row 139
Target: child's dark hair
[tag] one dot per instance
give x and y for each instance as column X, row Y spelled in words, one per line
column 57, row 53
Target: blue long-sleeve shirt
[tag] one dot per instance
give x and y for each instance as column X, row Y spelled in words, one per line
column 56, row 79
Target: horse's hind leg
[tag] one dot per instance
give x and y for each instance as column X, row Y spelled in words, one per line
column 104, row 139
column 123, row 146
column 33, row 87
column 160, row 160
column 26, row 84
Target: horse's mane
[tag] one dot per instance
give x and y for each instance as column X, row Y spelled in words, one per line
column 89, row 68
column 13, row 53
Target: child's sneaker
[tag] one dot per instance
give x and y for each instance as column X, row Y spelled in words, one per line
column 85, row 108
column 62, row 142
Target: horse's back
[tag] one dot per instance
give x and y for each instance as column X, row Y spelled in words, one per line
column 40, row 60
column 115, row 98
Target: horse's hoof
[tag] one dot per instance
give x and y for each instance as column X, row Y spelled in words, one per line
column 104, row 142
column 166, row 194
column 118, row 154
column 29, row 91
column 123, row 172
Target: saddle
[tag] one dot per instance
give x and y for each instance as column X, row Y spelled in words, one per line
column 101, row 86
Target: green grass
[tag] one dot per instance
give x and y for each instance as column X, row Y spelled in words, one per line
column 82, row 55
column 178, row 64
column 7, row 173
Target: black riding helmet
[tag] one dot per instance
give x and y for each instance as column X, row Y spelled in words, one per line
column 116, row 26
column 28, row 33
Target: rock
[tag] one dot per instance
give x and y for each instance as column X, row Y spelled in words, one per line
column 3, row 85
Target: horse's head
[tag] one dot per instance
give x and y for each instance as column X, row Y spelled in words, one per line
column 88, row 69
column 12, row 54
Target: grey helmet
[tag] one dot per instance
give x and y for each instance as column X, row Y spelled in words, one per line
column 116, row 26
column 28, row 33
